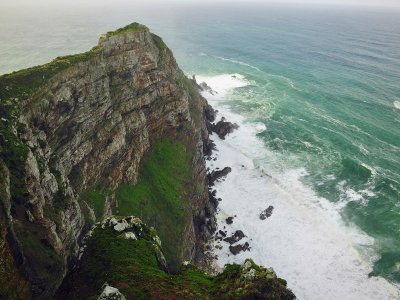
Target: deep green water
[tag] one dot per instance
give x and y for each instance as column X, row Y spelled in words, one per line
column 325, row 82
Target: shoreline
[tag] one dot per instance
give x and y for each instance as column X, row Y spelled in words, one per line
column 352, row 269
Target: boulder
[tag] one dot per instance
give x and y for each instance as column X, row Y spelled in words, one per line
column 110, row 293
column 218, row 174
column 239, row 248
column 237, row 236
column 223, row 127
column 266, row 213
column 229, row 220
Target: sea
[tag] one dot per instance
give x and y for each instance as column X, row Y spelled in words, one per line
column 315, row 91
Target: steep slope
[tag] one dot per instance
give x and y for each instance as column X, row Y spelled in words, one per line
column 126, row 254
column 73, row 134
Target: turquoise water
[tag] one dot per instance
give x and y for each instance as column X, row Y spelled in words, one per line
column 325, row 81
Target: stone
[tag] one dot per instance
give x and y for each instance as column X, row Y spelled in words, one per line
column 130, row 236
column 223, row 128
column 229, row 220
column 121, row 226
column 266, row 213
column 237, row 236
column 111, row 293
column 217, row 175
column 239, row 248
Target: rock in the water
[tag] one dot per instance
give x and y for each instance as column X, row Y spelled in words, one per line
column 216, row 175
column 237, row 236
column 210, row 113
column 222, row 233
column 111, row 293
column 239, row 248
column 229, row 220
column 223, row 127
column 266, row 213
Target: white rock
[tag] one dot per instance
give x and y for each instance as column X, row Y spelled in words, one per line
column 247, row 265
column 121, row 226
column 157, row 240
column 111, row 293
column 130, row 236
column 113, row 222
column 250, row 274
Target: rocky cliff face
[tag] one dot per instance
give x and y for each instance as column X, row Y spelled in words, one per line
column 83, row 121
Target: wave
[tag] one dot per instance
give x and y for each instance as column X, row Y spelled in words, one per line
column 238, row 62
column 290, row 82
column 305, row 240
column 396, row 104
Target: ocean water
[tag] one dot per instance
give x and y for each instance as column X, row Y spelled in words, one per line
column 316, row 92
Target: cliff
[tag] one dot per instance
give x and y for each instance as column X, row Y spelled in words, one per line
column 118, row 130
column 73, row 135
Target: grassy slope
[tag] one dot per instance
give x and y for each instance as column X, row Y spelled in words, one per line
column 131, row 266
column 160, row 196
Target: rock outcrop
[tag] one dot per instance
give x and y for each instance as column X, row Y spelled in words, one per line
column 115, row 267
column 84, row 121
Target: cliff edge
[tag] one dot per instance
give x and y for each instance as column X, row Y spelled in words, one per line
column 118, row 130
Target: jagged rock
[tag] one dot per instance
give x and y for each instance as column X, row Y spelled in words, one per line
column 208, row 147
column 266, row 213
column 237, row 236
column 111, row 293
column 121, row 226
column 130, row 236
column 229, row 220
column 210, row 113
column 205, row 87
column 216, row 175
column 223, row 127
column 29, row 216
column 239, row 248
column 222, row 233
column 193, row 79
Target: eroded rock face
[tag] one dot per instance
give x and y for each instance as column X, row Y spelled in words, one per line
column 111, row 293
column 94, row 121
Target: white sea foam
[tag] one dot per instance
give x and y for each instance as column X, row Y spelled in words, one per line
column 396, row 104
column 305, row 239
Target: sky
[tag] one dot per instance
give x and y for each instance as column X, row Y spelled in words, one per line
column 319, row 2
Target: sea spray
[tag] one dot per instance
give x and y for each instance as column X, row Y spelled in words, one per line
column 305, row 239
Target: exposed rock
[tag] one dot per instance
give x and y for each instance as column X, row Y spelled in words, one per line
column 239, row 248
column 237, row 236
column 229, row 220
column 130, row 236
column 217, row 175
column 266, row 213
column 223, row 127
column 210, row 113
column 121, row 226
column 89, row 119
column 111, row 293
column 205, row 87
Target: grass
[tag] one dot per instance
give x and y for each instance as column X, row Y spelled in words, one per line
column 134, row 27
column 95, row 198
column 131, row 266
column 160, row 197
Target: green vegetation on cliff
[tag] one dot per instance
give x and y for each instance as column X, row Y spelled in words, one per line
column 160, row 196
column 133, row 267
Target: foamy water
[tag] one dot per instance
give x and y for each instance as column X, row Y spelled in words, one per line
column 305, row 240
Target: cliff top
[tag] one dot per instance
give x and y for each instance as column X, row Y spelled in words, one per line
column 20, row 84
